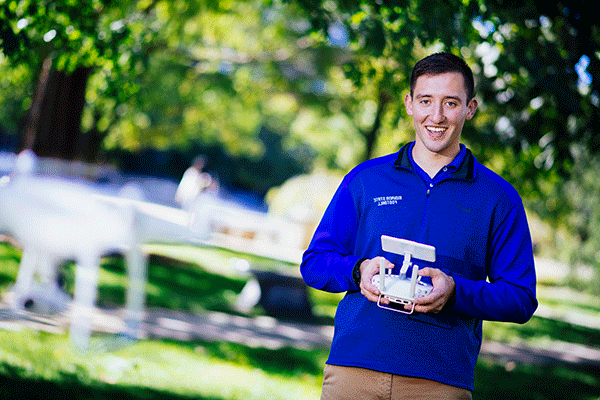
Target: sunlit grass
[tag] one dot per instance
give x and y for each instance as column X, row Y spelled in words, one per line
column 202, row 370
column 9, row 261
column 565, row 297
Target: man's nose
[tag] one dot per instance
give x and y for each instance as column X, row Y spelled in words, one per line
column 437, row 114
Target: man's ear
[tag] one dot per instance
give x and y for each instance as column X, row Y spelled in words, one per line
column 408, row 104
column 471, row 108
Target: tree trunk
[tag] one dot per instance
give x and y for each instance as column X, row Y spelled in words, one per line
column 371, row 135
column 53, row 127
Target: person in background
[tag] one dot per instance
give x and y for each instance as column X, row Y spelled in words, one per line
column 194, row 182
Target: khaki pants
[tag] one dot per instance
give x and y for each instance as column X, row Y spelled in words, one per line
column 349, row 383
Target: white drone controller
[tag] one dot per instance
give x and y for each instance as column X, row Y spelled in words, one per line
column 398, row 288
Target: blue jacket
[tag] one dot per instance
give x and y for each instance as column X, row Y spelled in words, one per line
column 477, row 223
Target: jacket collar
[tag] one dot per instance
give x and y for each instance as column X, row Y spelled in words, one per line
column 466, row 170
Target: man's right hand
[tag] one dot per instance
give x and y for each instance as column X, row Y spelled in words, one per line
column 369, row 268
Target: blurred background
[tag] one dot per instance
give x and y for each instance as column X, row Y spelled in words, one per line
column 280, row 99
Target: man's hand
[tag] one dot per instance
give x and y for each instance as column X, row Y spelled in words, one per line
column 443, row 289
column 369, row 268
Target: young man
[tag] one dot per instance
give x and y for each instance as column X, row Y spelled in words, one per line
column 443, row 197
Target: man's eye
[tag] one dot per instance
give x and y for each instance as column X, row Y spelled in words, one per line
column 425, row 102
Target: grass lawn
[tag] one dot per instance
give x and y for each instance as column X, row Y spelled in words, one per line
column 33, row 362
column 41, row 362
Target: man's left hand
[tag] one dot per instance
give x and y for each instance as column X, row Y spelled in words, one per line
column 443, row 290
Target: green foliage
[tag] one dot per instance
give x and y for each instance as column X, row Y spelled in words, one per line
column 169, row 73
column 572, row 207
column 77, row 34
column 535, row 74
column 15, row 97
column 175, row 71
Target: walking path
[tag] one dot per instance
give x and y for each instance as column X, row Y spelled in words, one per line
column 259, row 331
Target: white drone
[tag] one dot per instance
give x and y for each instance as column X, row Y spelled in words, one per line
column 56, row 220
column 399, row 288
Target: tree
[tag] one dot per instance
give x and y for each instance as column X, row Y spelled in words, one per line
column 545, row 85
column 157, row 72
column 329, row 77
column 537, row 65
column 66, row 41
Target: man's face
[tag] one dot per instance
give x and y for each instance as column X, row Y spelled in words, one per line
column 439, row 109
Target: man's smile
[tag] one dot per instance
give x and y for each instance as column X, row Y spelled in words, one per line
column 436, row 131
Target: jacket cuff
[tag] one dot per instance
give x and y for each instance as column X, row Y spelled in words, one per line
column 452, row 300
column 356, row 271
column 455, row 303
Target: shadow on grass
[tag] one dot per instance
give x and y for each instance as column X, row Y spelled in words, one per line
column 560, row 330
column 178, row 285
column 538, row 327
column 285, row 362
column 69, row 386
column 173, row 285
column 526, row 382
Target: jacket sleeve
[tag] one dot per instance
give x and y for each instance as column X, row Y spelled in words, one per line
column 328, row 262
column 509, row 293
